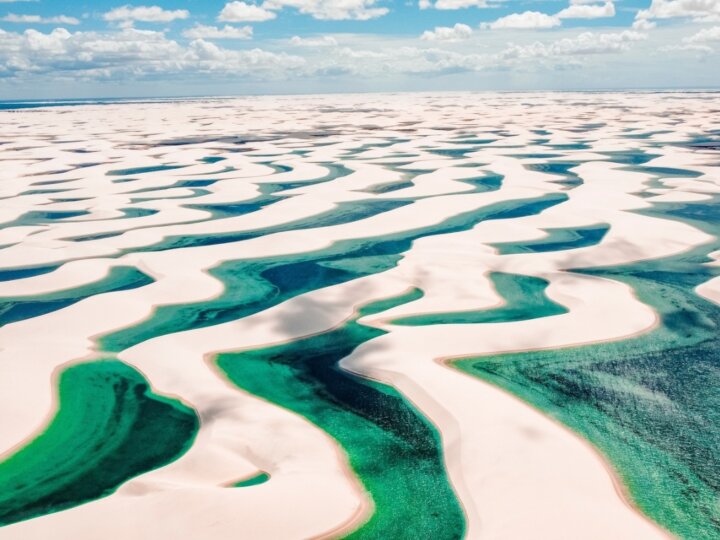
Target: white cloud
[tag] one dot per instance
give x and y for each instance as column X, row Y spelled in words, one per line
column 128, row 14
column 525, row 20
column 583, row 44
column 334, row 10
column 37, row 19
column 453, row 4
column 324, row 41
column 587, row 11
column 704, row 35
column 213, row 32
column 698, row 10
column 242, row 12
column 698, row 42
column 458, row 32
column 643, row 24
column 132, row 54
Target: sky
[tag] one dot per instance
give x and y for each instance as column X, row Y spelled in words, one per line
column 105, row 48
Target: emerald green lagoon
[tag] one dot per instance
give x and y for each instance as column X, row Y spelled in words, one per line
column 394, row 450
column 108, row 428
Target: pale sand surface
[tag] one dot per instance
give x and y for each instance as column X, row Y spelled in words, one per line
column 517, row 473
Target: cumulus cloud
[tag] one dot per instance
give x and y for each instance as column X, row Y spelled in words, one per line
column 334, row 10
column 127, row 14
column 37, row 19
column 698, row 10
column 643, row 24
column 584, row 44
column 458, row 32
column 587, row 11
column 242, row 12
column 698, row 42
column 213, row 32
column 324, row 41
column 452, row 4
column 704, row 35
column 131, row 53
column 525, row 20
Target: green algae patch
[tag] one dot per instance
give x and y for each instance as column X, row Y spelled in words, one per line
column 109, row 427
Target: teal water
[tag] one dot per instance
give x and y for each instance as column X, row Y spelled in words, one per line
column 561, row 168
column 559, row 239
column 144, row 170
column 196, row 192
column 38, row 217
column 241, row 208
column 344, row 212
column 392, row 448
column 255, row 285
column 10, row 274
column 108, row 427
column 524, row 298
column 120, row 278
column 649, row 403
column 175, row 185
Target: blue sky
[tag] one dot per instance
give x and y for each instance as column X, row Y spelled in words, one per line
column 50, row 48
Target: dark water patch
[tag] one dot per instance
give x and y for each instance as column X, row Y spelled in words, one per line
column 52, row 182
column 483, row 184
column 120, row 278
column 195, row 193
column 98, row 236
column 558, row 239
column 344, row 212
column 560, row 168
column 225, row 210
column 570, row 146
column 124, row 180
column 143, row 170
column 630, row 157
column 277, row 167
column 11, row 274
column 388, row 187
column 666, row 172
column 74, row 199
column 455, row 153
column 212, row 159
column 175, row 185
column 44, row 191
column 138, row 212
column 36, row 217
column 473, row 141
column 535, row 156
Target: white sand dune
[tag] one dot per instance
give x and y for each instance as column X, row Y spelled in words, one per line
column 517, row 473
